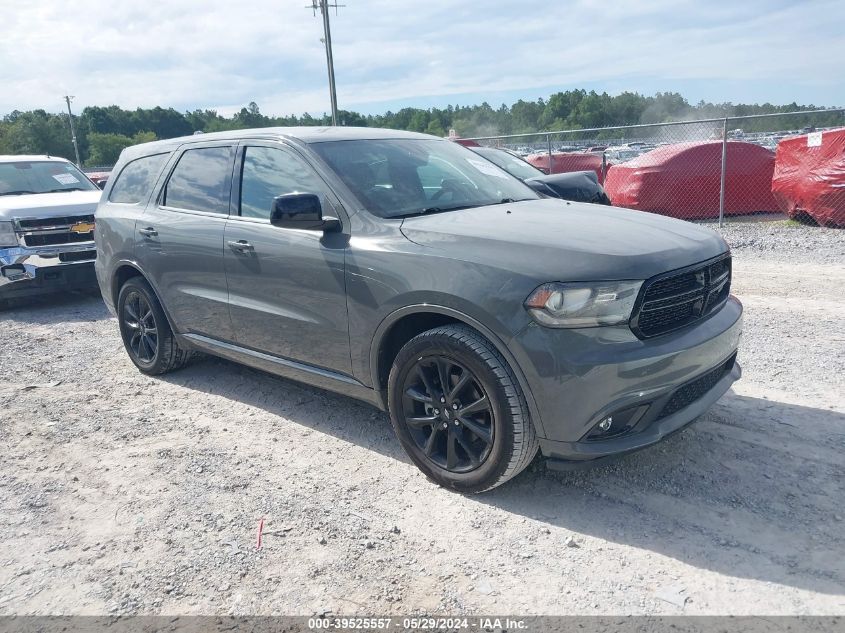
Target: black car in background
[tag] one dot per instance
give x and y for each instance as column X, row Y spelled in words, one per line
column 578, row 186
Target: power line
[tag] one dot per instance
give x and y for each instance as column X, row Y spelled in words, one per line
column 323, row 6
column 72, row 130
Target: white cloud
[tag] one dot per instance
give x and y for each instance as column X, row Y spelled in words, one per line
column 201, row 53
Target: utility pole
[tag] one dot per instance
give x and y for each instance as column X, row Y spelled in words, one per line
column 73, row 130
column 324, row 6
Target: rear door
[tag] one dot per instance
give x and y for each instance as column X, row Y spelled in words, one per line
column 287, row 291
column 180, row 239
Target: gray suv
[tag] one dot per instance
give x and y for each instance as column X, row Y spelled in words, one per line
column 409, row 272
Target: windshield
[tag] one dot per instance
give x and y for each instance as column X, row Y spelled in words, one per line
column 513, row 165
column 403, row 177
column 29, row 176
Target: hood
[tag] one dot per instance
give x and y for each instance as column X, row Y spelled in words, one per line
column 554, row 240
column 49, row 205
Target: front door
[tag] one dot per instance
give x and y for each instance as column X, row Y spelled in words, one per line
column 287, row 294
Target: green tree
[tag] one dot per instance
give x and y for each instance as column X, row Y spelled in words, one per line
column 104, row 149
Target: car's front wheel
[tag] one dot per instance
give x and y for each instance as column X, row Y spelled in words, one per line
column 458, row 410
column 146, row 334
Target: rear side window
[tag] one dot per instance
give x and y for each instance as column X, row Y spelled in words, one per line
column 201, row 180
column 136, row 180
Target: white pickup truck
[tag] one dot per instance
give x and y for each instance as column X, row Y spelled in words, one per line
column 46, row 227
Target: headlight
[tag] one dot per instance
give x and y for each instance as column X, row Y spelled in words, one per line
column 7, row 235
column 566, row 305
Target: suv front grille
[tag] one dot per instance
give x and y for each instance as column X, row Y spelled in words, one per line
column 696, row 389
column 53, row 231
column 674, row 300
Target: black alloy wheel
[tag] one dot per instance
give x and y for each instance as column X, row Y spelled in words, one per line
column 145, row 331
column 459, row 411
column 139, row 320
column 448, row 414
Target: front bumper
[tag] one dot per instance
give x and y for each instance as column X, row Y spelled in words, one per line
column 33, row 271
column 580, row 377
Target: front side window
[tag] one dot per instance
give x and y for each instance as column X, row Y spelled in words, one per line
column 136, row 180
column 23, row 177
column 269, row 172
column 403, row 177
column 201, row 181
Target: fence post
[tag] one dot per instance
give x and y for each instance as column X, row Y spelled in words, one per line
column 603, row 166
column 724, row 169
column 549, row 146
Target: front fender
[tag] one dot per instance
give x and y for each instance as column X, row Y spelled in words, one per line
column 396, row 316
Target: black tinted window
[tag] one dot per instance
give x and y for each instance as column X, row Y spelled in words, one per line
column 270, row 172
column 201, row 180
column 137, row 179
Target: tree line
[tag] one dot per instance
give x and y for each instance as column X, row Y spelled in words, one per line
column 102, row 132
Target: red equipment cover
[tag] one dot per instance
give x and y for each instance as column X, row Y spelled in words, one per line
column 683, row 180
column 810, row 176
column 563, row 162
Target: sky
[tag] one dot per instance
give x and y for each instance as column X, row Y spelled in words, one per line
column 389, row 54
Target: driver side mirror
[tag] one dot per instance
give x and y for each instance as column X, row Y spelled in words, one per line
column 301, row 211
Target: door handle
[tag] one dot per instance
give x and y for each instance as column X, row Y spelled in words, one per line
column 148, row 232
column 240, row 245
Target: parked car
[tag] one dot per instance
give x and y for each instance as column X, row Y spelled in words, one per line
column 578, row 186
column 46, row 226
column 407, row 271
column 622, row 154
column 684, row 180
column 564, row 162
column 99, row 178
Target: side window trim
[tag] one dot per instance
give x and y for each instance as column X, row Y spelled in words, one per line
column 235, row 202
column 174, row 162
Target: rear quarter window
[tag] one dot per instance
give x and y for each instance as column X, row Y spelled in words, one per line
column 136, row 179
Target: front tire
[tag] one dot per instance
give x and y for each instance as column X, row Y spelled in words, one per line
column 458, row 410
column 146, row 334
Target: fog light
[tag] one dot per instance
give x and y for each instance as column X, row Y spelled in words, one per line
column 620, row 423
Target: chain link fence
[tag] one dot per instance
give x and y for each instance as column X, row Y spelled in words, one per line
column 710, row 169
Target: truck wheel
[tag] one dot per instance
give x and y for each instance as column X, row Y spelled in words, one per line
column 146, row 334
column 458, row 410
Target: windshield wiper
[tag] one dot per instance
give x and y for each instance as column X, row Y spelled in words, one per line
column 64, row 189
column 428, row 210
column 15, row 193
column 508, row 200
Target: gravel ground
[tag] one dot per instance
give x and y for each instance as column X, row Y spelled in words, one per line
column 121, row 493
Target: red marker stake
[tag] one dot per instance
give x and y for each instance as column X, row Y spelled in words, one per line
column 260, row 530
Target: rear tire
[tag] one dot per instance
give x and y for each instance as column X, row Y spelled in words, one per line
column 145, row 331
column 458, row 410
